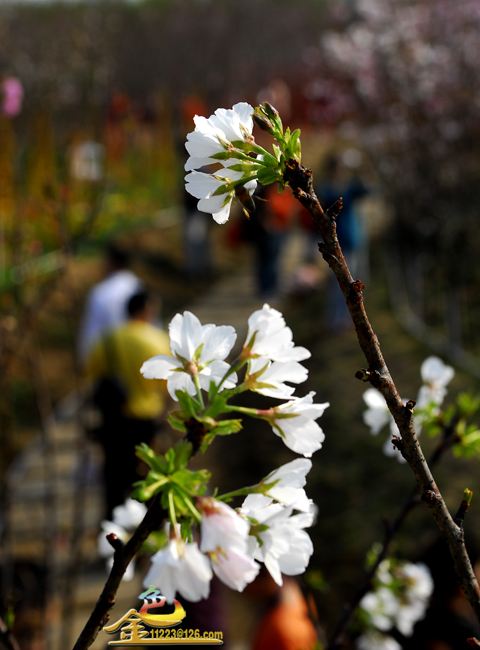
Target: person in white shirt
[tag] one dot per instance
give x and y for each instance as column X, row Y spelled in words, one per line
column 106, row 302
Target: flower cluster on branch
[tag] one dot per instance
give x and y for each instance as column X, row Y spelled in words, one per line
column 205, row 535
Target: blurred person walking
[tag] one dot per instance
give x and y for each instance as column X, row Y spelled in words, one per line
column 130, row 404
column 105, row 305
column 339, row 181
column 268, row 229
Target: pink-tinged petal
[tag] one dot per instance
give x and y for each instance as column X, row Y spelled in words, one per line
column 222, row 527
column 235, row 569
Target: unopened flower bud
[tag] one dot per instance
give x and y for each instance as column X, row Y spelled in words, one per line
column 263, row 122
column 270, row 110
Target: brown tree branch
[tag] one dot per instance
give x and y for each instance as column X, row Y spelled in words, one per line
column 122, row 557
column 300, row 180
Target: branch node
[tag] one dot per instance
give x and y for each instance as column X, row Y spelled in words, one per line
column 410, row 405
column 334, row 210
column 195, row 433
column 463, row 508
column 364, row 374
column 325, row 254
column 398, row 444
column 429, row 497
column 115, row 542
column 356, row 289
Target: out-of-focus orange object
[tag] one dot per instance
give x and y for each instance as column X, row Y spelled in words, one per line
column 286, row 625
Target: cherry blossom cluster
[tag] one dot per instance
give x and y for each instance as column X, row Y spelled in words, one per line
column 206, row 536
column 226, row 138
column 399, row 599
column 435, row 375
column 272, row 362
column 230, row 543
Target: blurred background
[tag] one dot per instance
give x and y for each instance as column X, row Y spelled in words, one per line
column 96, row 101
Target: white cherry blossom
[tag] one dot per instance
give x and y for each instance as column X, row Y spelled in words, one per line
column 196, row 350
column 382, row 606
column 214, row 134
column 372, row 640
column 289, row 488
column 234, row 568
column 435, row 375
column 286, row 547
column 130, row 514
column 401, row 596
column 180, row 567
column 221, row 527
column 295, row 423
column 419, row 580
column 377, row 415
column 204, row 187
column 126, row 518
column 236, row 123
column 268, row 336
column 273, row 375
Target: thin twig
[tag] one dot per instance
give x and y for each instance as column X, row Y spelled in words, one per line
column 121, row 559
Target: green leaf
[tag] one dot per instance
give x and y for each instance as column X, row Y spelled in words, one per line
column 187, row 403
column 248, row 168
column 154, row 542
column 222, row 189
column 183, row 451
column 177, row 421
column 207, row 440
column 186, row 531
column 149, row 457
column 269, row 175
column 226, row 427
column 468, row 405
column 219, row 403
column 316, row 580
column 211, row 391
column 170, row 458
column 144, row 491
column 221, row 155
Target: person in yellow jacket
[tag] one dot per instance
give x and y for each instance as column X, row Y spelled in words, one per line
column 130, row 404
